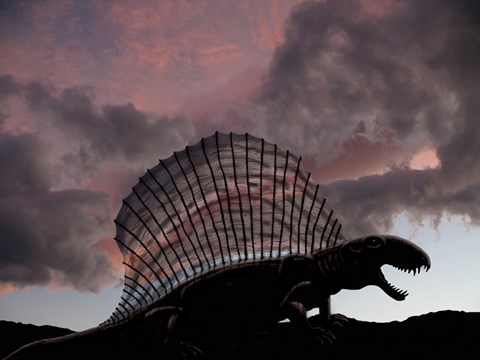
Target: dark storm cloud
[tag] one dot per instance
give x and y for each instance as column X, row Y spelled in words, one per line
column 367, row 204
column 92, row 134
column 342, row 69
column 46, row 234
column 47, row 231
column 370, row 203
column 108, row 132
column 404, row 77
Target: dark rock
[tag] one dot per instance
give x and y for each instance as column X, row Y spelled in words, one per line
column 13, row 335
column 440, row 335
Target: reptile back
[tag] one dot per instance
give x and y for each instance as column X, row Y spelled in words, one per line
column 226, row 200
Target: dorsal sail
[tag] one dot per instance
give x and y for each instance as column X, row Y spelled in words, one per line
column 229, row 198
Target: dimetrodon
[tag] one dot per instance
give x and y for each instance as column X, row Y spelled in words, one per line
column 230, row 236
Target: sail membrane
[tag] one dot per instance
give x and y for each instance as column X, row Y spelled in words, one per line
column 228, row 199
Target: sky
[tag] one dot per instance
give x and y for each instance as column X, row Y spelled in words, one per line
column 379, row 99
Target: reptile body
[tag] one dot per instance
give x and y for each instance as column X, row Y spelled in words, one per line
column 230, row 236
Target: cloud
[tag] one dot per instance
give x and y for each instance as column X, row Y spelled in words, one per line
column 45, row 234
column 403, row 77
column 87, row 134
column 369, row 204
column 354, row 82
column 343, row 72
column 159, row 55
column 358, row 88
column 109, row 131
column 52, row 222
column 9, row 86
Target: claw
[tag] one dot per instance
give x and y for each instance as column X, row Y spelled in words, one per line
column 339, row 320
column 324, row 337
column 189, row 351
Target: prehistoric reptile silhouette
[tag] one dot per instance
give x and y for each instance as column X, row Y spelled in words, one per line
column 232, row 235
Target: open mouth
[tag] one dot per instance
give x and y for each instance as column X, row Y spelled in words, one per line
column 392, row 290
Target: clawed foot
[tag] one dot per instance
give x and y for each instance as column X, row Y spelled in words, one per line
column 324, row 338
column 189, row 351
column 182, row 350
column 339, row 320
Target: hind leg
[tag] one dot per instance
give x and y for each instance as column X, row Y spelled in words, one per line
column 157, row 319
column 166, row 321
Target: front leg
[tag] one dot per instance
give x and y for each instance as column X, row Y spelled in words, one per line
column 297, row 276
column 325, row 310
column 296, row 312
column 327, row 318
column 299, row 281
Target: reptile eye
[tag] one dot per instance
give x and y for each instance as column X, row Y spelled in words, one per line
column 373, row 241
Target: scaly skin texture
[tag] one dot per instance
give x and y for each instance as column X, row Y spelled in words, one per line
column 253, row 296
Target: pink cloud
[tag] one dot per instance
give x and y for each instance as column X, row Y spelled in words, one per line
column 359, row 157
column 160, row 54
column 8, row 288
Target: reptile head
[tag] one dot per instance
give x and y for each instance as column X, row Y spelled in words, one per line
column 364, row 257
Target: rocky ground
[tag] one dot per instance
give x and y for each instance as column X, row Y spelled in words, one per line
column 440, row 335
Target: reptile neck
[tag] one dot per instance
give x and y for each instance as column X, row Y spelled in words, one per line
column 330, row 263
